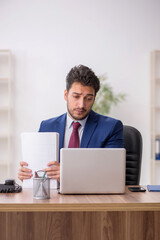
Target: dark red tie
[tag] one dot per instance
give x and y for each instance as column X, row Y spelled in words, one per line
column 74, row 139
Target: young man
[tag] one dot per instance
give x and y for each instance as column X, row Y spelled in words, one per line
column 93, row 130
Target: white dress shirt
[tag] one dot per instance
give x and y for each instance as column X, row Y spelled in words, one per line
column 69, row 128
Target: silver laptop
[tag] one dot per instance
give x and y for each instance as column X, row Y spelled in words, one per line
column 92, row 170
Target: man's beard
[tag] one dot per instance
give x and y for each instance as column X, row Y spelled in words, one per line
column 78, row 118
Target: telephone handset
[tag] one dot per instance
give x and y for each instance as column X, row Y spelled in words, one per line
column 10, row 186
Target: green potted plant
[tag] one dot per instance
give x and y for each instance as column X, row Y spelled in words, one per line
column 106, row 98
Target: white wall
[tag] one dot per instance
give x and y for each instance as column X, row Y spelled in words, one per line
column 48, row 37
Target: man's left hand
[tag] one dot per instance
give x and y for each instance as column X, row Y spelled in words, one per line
column 53, row 171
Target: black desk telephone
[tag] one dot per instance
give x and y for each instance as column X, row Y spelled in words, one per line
column 10, row 186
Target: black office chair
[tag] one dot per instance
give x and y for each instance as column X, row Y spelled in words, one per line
column 133, row 146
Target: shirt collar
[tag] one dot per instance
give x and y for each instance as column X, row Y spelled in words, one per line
column 69, row 121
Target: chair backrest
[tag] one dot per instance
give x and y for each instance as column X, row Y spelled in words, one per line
column 133, row 146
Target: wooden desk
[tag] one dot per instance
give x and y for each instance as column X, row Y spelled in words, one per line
column 80, row 217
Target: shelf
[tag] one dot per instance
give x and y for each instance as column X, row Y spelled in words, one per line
column 4, row 80
column 155, row 135
column 3, row 163
column 156, row 161
column 4, row 108
column 4, row 136
column 155, row 115
column 157, row 108
column 5, row 50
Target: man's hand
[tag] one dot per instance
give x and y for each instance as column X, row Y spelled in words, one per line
column 24, row 173
column 53, row 171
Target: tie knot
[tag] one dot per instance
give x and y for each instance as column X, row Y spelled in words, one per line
column 76, row 125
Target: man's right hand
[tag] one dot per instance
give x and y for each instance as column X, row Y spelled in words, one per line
column 24, row 173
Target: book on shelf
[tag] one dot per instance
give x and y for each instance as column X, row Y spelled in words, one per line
column 157, row 157
column 153, row 188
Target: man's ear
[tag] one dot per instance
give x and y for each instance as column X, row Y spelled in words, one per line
column 65, row 94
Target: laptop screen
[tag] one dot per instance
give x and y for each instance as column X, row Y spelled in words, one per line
column 92, row 170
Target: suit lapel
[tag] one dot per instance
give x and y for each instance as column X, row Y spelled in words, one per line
column 62, row 124
column 89, row 129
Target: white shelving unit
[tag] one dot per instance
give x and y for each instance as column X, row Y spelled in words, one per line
column 5, row 113
column 155, row 117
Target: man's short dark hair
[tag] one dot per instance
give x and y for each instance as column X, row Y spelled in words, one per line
column 83, row 75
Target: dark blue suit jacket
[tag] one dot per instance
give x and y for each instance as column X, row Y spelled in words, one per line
column 99, row 131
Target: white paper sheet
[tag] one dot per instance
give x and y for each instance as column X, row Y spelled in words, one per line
column 38, row 149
